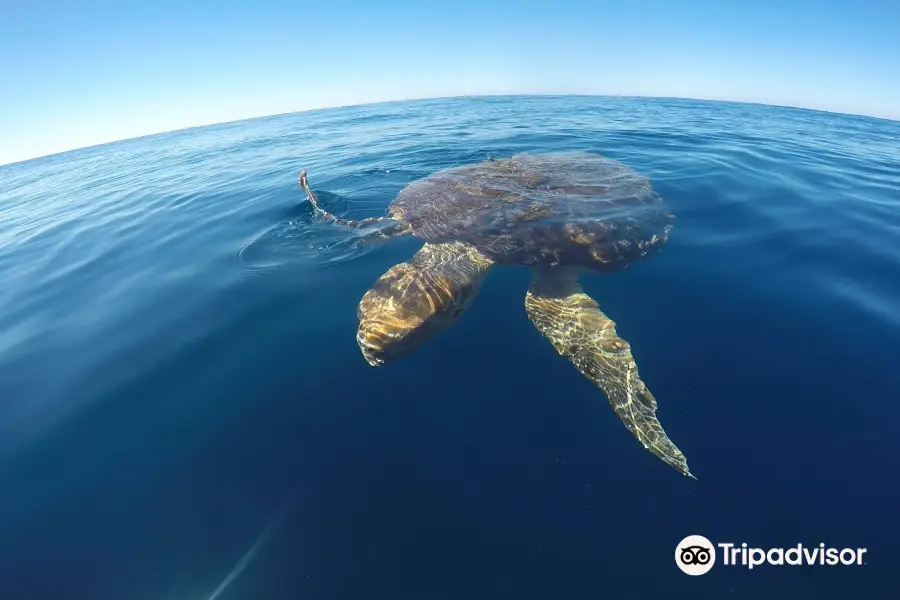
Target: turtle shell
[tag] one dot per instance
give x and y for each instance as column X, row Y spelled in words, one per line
column 567, row 208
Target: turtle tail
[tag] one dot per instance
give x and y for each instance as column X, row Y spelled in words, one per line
column 324, row 214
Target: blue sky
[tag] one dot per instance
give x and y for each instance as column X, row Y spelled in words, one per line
column 76, row 74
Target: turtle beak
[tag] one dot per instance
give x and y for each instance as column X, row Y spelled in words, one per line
column 373, row 338
column 388, row 330
column 372, row 359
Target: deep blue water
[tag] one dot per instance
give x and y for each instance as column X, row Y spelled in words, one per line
column 181, row 386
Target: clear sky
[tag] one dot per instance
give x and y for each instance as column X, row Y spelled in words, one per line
column 75, row 74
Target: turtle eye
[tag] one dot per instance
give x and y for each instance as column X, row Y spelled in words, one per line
column 457, row 312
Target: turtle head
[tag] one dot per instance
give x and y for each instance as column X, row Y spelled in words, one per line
column 415, row 300
column 405, row 308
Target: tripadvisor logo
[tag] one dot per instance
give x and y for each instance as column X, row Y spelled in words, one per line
column 696, row 555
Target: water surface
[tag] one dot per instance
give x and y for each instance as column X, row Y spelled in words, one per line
column 181, row 385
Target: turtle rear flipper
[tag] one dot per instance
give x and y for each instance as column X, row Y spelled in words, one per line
column 391, row 227
column 573, row 322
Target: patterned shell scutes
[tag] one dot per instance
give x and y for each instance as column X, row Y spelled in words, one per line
column 572, row 208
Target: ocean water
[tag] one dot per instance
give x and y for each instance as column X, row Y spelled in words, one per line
column 185, row 414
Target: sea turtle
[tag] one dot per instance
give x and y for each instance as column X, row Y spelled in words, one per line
column 561, row 214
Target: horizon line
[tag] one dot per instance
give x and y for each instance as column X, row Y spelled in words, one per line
column 452, row 97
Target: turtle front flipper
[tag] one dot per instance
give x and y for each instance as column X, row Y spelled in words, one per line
column 414, row 300
column 578, row 329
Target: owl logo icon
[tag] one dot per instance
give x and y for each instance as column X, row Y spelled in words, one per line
column 695, row 555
